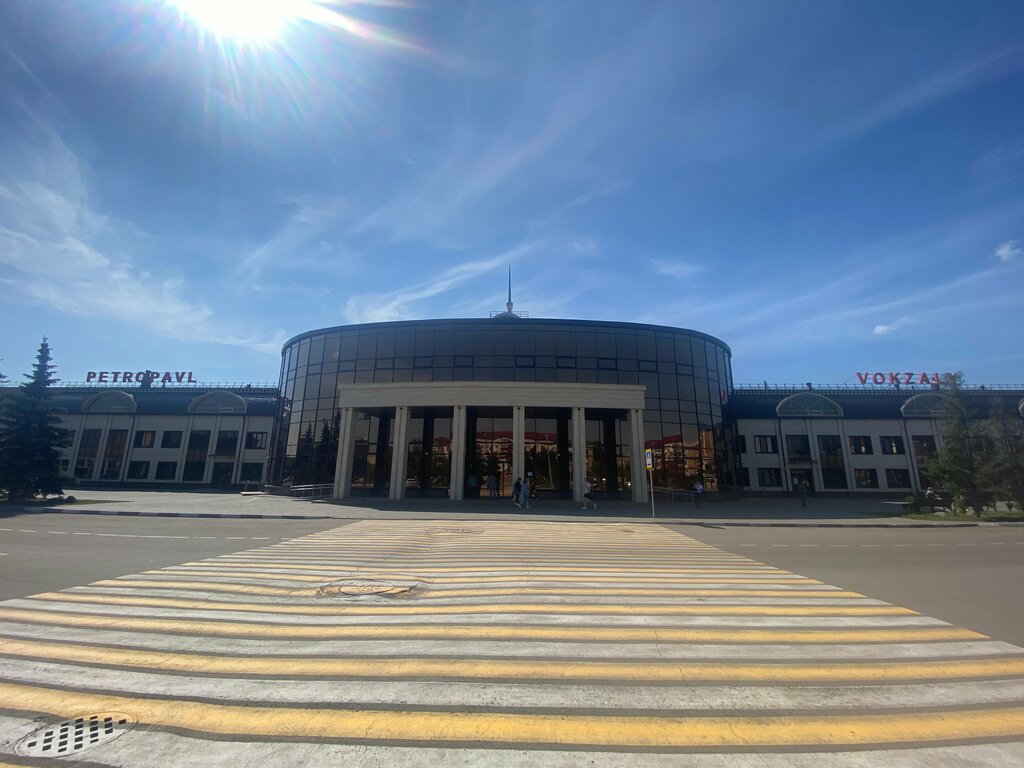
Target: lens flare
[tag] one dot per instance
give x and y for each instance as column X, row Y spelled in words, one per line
column 245, row 20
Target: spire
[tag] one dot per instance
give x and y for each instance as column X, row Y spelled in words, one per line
column 508, row 306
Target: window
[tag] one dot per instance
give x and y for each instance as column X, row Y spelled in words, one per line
column 860, row 444
column 891, row 445
column 897, row 478
column 251, row 472
column 524, row 361
column 606, row 363
column 227, row 442
column 166, row 470
column 255, row 440
column 769, row 477
column 744, row 476
column 113, row 454
column 743, row 444
column 798, row 447
column 138, row 470
column 195, row 456
column 567, row 362
column 145, row 438
column 766, row 444
column 865, row 478
column 171, row 439
column 88, row 449
column 924, row 446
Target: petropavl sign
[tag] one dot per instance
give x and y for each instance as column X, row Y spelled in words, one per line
column 140, row 377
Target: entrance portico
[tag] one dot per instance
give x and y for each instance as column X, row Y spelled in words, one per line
column 558, row 414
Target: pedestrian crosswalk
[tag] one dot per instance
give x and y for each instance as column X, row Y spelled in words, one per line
column 503, row 643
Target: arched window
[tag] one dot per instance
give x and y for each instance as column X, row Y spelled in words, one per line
column 927, row 405
column 111, row 401
column 220, row 401
column 808, row 404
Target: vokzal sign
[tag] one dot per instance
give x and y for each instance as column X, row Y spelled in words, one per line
column 898, row 377
column 140, row 377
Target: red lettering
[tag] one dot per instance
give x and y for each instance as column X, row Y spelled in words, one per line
column 935, row 378
column 90, row 376
column 115, row 376
column 894, row 378
column 908, row 378
column 179, row 376
column 923, row 379
column 863, row 377
column 878, row 378
column 190, row 379
column 103, row 377
column 167, row 378
column 127, row 377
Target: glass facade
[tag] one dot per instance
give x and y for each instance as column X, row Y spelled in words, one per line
column 687, row 376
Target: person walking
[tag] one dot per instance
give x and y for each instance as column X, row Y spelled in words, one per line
column 492, row 486
column 803, row 489
column 527, row 486
column 517, row 492
column 586, row 495
column 698, row 493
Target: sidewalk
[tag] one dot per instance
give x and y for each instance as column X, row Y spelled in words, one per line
column 844, row 513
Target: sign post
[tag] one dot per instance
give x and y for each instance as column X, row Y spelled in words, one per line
column 649, row 455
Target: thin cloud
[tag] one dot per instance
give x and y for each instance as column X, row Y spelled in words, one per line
column 676, row 268
column 883, row 329
column 60, row 251
column 1008, row 251
column 401, row 304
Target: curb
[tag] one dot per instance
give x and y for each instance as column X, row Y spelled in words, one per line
column 570, row 518
column 204, row 515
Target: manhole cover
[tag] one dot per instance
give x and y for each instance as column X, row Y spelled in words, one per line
column 72, row 736
column 360, row 588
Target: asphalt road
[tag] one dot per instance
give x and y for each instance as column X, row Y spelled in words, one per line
column 44, row 552
column 971, row 577
column 487, row 643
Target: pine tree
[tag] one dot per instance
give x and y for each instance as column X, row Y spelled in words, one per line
column 31, row 435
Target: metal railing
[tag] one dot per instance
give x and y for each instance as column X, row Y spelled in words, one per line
column 229, row 385
column 672, row 495
column 316, row 491
column 878, row 389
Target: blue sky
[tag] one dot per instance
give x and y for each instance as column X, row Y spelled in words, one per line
column 829, row 187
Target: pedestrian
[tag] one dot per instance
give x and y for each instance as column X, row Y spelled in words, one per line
column 492, row 486
column 803, row 488
column 586, row 494
column 527, row 487
column 517, row 492
column 474, row 485
column 698, row 492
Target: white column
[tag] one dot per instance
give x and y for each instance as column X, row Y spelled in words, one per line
column 518, row 441
column 343, row 466
column 638, row 459
column 399, row 453
column 579, row 452
column 458, row 456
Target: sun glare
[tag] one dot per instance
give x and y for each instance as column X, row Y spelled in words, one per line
column 244, row 20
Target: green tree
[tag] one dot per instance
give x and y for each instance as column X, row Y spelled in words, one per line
column 31, row 435
column 963, row 464
column 1005, row 474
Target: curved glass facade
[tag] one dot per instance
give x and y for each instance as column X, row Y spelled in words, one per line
column 687, row 376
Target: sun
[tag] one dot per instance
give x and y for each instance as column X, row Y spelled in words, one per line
column 254, row 21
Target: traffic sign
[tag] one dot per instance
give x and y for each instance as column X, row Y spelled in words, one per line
column 650, row 458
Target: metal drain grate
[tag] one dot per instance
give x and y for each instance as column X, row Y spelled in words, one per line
column 72, row 736
column 449, row 531
column 362, row 588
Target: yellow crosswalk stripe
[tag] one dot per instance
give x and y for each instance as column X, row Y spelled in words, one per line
column 495, row 632
column 637, row 609
column 527, row 728
column 518, row 669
